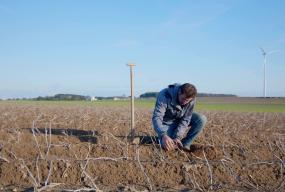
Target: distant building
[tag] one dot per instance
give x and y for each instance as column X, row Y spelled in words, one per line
column 93, row 99
column 114, row 98
column 119, row 98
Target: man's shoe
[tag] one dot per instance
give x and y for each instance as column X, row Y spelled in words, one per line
column 193, row 148
column 199, row 151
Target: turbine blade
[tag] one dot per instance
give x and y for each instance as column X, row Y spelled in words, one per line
column 273, row 51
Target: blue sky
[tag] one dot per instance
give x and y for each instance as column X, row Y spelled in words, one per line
column 82, row 47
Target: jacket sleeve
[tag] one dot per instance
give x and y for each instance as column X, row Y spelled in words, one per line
column 184, row 123
column 158, row 114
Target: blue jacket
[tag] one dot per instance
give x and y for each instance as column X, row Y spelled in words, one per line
column 168, row 111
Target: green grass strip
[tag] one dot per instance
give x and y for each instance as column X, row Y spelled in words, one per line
column 149, row 104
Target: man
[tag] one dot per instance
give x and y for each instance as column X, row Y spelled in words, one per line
column 173, row 118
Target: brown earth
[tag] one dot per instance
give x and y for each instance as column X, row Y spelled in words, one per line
column 86, row 148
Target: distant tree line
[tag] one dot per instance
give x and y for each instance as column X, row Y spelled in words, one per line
column 149, row 95
column 65, row 97
column 155, row 94
column 73, row 97
column 215, row 95
column 68, row 97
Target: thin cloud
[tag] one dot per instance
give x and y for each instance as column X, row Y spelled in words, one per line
column 182, row 20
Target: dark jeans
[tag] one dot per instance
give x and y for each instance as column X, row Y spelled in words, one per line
column 197, row 123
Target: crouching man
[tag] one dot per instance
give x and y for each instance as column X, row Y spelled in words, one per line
column 173, row 118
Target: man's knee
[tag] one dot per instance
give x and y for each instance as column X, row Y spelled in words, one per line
column 200, row 119
column 203, row 119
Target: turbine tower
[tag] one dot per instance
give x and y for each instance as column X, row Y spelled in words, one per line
column 265, row 54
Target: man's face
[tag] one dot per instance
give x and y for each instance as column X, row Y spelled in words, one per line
column 183, row 100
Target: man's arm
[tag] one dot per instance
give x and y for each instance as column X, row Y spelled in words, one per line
column 158, row 114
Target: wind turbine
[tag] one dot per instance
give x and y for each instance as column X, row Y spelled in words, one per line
column 265, row 54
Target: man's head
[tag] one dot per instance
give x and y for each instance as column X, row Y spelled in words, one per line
column 187, row 92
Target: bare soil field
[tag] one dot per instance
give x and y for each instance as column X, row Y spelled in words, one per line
column 81, row 148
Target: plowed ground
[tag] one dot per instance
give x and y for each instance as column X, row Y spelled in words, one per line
column 66, row 148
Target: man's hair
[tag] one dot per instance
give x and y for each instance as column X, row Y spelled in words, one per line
column 189, row 90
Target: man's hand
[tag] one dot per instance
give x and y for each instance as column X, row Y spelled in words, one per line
column 167, row 143
column 177, row 142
